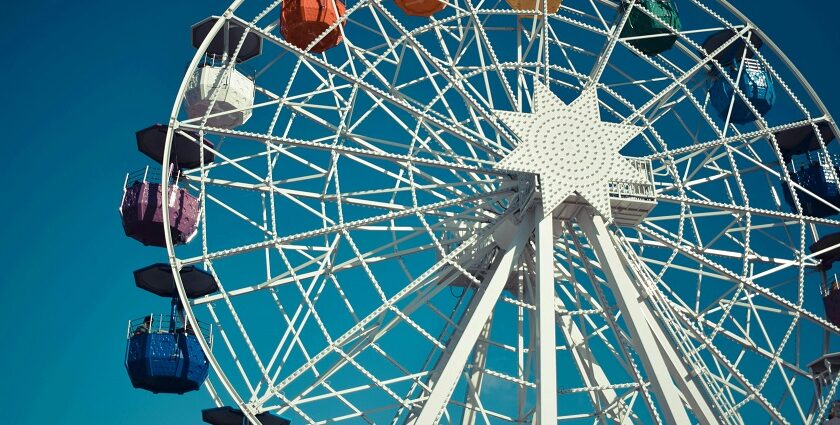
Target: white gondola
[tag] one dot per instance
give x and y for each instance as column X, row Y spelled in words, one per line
column 229, row 92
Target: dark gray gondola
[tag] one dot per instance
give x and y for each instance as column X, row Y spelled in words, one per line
column 808, row 167
column 803, row 139
column 827, row 258
column 734, row 50
column 185, row 151
column 229, row 416
column 830, row 289
column 824, row 370
column 251, row 47
column 158, row 279
column 827, row 363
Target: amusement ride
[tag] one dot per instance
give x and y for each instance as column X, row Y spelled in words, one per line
column 489, row 212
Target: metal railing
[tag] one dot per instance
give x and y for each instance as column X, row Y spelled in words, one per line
column 147, row 174
column 152, row 175
column 219, row 61
column 827, row 287
column 161, row 323
column 801, row 167
column 623, row 189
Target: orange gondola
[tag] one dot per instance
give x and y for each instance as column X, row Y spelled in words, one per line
column 303, row 21
column 551, row 7
column 424, row 8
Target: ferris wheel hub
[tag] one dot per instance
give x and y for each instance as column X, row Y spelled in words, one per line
column 571, row 149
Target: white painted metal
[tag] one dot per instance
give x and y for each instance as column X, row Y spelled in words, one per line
column 627, row 298
column 479, row 363
column 686, row 381
column 453, row 359
column 587, row 365
column 570, row 148
column 337, row 193
column 165, row 178
column 546, row 327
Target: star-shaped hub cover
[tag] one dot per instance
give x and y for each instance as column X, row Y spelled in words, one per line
column 570, row 149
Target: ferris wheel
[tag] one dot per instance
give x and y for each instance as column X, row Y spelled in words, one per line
column 490, row 211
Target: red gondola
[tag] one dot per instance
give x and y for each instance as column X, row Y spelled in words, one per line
column 303, row 21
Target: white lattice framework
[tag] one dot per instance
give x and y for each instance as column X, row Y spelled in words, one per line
column 376, row 266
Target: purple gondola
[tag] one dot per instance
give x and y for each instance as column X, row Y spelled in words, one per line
column 142, row 212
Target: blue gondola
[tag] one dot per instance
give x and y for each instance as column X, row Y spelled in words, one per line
column 755, row 83
column 811, row 171
column 164, row 358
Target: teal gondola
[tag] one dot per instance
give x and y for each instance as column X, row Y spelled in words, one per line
column 654, row 37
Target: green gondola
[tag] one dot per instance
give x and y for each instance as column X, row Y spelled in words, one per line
column 640, row 24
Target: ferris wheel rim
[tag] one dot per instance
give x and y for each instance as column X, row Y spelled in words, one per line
column 174, row 261
column 170, row 247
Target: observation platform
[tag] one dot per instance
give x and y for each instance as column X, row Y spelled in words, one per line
column 630, row 202
column 824, row 371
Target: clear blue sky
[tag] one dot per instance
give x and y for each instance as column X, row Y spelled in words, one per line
column 80, row 78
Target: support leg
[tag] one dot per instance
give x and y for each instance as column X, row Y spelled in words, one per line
column 451, row 363
column 546, row 327
column 477, row 376
column 588, row 368
column 667, row 394
column 692, row 392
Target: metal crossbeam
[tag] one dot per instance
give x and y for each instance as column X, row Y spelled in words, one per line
column 666, row 391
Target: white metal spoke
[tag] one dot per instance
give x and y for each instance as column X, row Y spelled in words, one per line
column 377, row 261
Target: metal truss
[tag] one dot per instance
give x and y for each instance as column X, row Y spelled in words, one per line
column 375, row 267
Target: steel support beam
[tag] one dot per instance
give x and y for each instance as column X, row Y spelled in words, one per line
column 590, row 371
column 546, row 326
column 687, row 385
column 686, row 381
column 627, row 297
column 477, row 375
column 450, row 365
